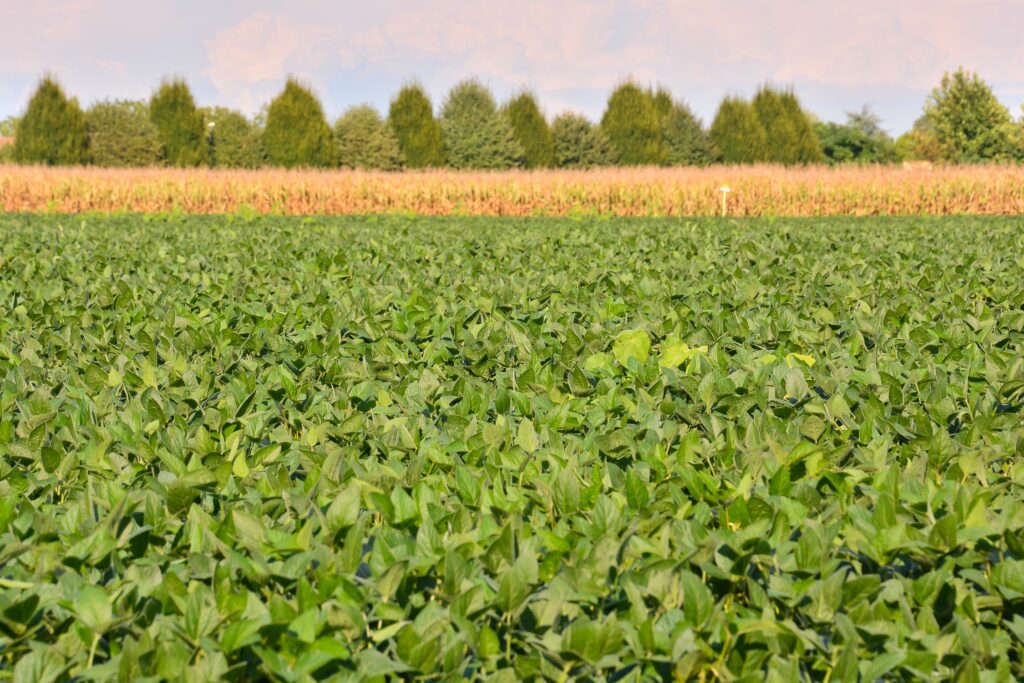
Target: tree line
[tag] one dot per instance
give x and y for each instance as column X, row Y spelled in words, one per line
column 963, row 122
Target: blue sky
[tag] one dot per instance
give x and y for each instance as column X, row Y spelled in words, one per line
column 838, row 55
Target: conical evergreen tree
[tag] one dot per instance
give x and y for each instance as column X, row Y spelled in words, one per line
column 476, row 134
column 52, row 130
column 297, row 133
column 365, row 141
column 411, row 117
column 531, row 130
column 783, row 143
column 790, row 134
column 737, row 133
column 633, row 126
column 179, row 124
column 579, row 143
column 685, row 140
column 808, row 147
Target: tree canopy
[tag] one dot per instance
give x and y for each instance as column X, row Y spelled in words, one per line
column 411, row 117
column 970, row 124
column 179, row 124
column 531, row 130
column 365, row 141
column 52, row 129
column 633, row 126
column 297, row 134
column 476, row 135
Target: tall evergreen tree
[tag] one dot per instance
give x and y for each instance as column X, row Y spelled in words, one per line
column 579, row 143
column 297, row 133
column 789, row 131
column 52, row 129
column 808, row 147
column 633, row 126
column 411, row 117
column 476, row 134
column 531, row 130
column 737, row 133
column 781, row 135
column 121, row 134
column 179, row 124
column 365, row 141
column 685, row 141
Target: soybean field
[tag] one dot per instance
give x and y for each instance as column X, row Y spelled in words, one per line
column 516, row 449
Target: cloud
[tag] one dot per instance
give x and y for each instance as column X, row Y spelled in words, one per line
column 238, row 52
column 258, row 53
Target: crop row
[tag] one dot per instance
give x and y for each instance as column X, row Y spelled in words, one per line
column 754, row 191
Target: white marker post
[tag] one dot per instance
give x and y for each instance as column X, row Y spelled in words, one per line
column 725, row 196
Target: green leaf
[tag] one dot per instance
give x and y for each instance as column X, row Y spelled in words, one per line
column 93, row 607
column 635, row 344
column 526, row 437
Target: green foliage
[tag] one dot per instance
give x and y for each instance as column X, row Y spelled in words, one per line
column 808, row 149
column 860, row 140
column 179, row 124
column 476, row 134
column 531, row 130
column 121, row 134
column 409, row 449
column 234, row 141
column 52, row 129
column 920, row 143
column 579, row 143
column 633, row 126
column 789, row 135
column 420, row 139
column 969, row 122
column 685, row 141
column 9, row 126
column 297, row 133
column 737, row 134
column 364, row 140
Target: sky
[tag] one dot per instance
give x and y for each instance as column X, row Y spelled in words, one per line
column 838, row 55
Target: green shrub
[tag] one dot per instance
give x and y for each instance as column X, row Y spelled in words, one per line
column 476, row 135
column 860, row 140
column 121, row 134
column 579, row 143
column 52, row 129
column 297, row 133
column 969, row 122
column 737, row 134
column 364, row 140
column 179, row 124
column 531, row 130
column 234, row 141
column 420, row 139
column 633, row 126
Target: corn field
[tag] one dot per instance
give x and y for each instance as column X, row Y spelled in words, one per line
column 754, row 191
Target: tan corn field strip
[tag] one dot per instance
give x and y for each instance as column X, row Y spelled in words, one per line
column 755, row 191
